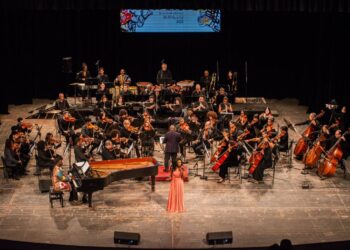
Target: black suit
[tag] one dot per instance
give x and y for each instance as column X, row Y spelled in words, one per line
column 164, row 77
column 172, row 140
column 61, row 105
column 108, row 155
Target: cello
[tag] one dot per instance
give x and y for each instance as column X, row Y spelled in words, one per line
column 313, row 155
column 328, row 165
column 302, row 144
column 257, row 157
column 224, row 156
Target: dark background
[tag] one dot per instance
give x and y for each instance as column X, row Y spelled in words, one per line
column 293, row 48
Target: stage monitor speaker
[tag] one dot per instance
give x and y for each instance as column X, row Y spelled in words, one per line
column 67, row 65
column 126, row 238
column 219, row 238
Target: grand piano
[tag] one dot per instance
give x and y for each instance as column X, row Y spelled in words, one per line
column 94, row 176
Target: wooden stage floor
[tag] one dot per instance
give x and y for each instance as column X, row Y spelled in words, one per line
column 258, row 214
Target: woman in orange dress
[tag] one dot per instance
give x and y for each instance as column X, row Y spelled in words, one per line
column 176, row 192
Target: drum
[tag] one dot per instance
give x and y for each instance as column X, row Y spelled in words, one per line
column 133, row 90
column 143, row 84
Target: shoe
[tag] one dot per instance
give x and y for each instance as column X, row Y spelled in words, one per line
column 221, row 181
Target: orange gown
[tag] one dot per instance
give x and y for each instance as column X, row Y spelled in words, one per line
column 176, row 193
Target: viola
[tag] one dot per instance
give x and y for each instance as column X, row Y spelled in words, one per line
column 92, row 126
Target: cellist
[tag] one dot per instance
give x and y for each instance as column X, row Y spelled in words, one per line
column 265, row 147
column 342, row 145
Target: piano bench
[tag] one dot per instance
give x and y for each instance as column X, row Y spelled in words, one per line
column 55, row 195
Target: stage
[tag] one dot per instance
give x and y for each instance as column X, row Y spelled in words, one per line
column 257, row 214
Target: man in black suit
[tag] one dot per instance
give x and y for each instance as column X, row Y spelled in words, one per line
column 172, row 139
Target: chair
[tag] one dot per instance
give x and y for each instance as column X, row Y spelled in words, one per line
column 6, row 169
column 55, row 195
column 287, row 155
column 238, row 173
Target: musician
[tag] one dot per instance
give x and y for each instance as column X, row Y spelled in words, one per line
column 147, row 134
column 104, row 122
column 188, row 115
column 230, row 82
column 201, row 108
column 52, row 143
column 174, row 109
column 234, row 132
column 172, row 140
column 253, row 127
column 129, row 136
column 104, row 104
column 312, row 121
column 219, row 97
column 205, row 80
column 120, row 102
column 108, row 152
column 21, row 126
column 333, row 140
column 164, row 76
column 185, row 133
column 227, row 145
column 92, row 132
column 269, row 128
column 11, row 158
column 122, row 79
column 66, row 125
column 265, row 148
column 125, row 92
column 83, row 74
column 101, row 91
column 61, row 103
column 80, row 149
column 101, row 76
column 194, row 125
column 263, row 117
column 204, row 140
column 282, row 139
column 242, row 122
column 197, row 92
column 224, row 108
column 151, row 105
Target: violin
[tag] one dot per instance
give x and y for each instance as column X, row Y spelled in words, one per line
column 107, row 120
column 132, row 129
column 92, row 126
column 26, row 125
column 185, row 127
column 69, row 119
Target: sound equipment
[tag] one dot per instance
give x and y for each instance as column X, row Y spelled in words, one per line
column 126, row 238
column 219, row 238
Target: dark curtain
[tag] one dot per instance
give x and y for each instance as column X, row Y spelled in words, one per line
column 296, row 49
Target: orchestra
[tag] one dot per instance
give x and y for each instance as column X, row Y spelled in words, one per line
column 125, row 125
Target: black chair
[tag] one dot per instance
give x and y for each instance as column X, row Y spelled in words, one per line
column 55, row 195
column 7, row 171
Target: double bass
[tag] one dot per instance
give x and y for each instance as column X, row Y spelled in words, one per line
column 302, row 144
column 328, row 165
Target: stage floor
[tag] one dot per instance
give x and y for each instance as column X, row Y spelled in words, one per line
column 258, row 214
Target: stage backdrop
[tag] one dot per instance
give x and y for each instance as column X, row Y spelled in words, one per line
column 294, row 49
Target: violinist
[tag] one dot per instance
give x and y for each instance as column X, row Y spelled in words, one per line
column 22, row 126
column 52, row 144
column 234, row 132
column 185, row 133
column 11, row 159
column 269, row 129
column 219, row 97
column 104, row 122
column 195, row 126
column 204, row 140
column 101, row 76
column 83, row 74
column 188, row 115
column 253, row 127
column 91, row 131
column 61, row 103
column 242, row 121
column 66, row 125
column 122, row 116
column 81, row 144
column 129, row 136
column 120, row 103
column 108, row 151
column 147, row 134
column 265, row 149
column 227, row 145
column 263, row 117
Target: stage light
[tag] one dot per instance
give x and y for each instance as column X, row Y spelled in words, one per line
column 219, row 238
column 126, row 238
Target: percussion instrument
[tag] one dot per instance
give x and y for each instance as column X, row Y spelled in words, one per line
column 133, row 90
column 143, row 84
column 185, row 83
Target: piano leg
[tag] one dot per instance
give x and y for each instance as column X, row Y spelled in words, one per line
column 90, row 199
column 153, row 182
